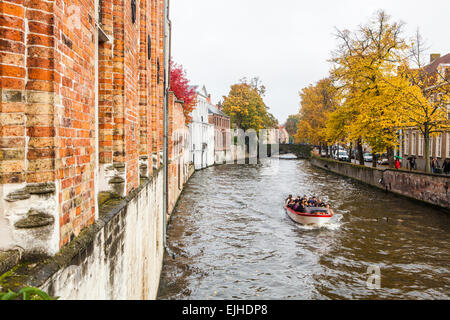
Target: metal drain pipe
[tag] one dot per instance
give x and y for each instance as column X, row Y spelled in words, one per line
column 167, row 40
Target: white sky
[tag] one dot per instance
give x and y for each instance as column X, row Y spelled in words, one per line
column 285, row 42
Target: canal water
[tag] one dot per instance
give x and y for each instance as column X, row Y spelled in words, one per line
column 233, row 240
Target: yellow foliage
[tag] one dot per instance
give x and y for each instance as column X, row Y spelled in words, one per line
column 317, row 101
column 246, row 108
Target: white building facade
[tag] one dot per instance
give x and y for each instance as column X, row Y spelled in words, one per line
column 201, row 132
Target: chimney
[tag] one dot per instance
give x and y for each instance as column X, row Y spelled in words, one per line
column 434, row 56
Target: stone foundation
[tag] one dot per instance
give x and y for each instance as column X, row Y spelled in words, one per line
column 119, row 257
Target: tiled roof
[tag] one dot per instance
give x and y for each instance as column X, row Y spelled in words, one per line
column 213, row 109
column 432, row 67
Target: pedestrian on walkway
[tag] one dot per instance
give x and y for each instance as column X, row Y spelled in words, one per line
column 397, row 164
column 434, row 165
column 412, row 163
column 446, row 166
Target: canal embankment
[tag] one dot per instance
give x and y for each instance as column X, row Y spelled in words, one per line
column 119, row 257
column 427, row 188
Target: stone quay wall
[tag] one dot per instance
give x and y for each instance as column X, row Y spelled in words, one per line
column 118, row 257
column 428, row 188
column 81, row 147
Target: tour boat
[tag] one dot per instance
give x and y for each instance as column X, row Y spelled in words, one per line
column 311, row 216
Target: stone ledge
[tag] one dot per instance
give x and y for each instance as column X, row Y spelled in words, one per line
column 16, row 273
column 319, row 163
column 401, row 170
column 8, row 259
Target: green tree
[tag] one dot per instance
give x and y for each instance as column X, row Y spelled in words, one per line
column 291, row 124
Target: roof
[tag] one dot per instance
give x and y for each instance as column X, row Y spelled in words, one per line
column 203, row 92
column 215, row 110
column 432, row 67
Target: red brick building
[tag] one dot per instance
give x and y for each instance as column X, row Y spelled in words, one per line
column 222, row 133
column 412, row 139
column 179, row 148
column 82, row 111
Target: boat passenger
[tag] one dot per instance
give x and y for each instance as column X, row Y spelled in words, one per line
column 312, row 202
column 288, row 200
column 321, row 204
column 300, row 207
column 291, row 203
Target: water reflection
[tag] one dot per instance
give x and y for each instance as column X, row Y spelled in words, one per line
column 233, row 240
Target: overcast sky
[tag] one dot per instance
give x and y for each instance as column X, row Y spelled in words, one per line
column 285, row 42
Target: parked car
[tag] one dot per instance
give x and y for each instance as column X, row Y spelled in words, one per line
column 368, row 157
column 341, row 155
column 383, row 160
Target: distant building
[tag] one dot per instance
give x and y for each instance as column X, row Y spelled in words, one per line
column 412, row 140
column 221, row 123
column 201, row 132
column 283, row 137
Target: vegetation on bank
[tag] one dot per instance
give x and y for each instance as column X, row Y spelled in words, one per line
column 28, row 293
column 378, row 85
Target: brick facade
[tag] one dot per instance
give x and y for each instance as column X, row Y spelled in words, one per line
column 178, row 144
column 81, row 110
column 221, row 124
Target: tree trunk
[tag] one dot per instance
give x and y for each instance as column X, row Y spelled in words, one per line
column 390, row 156
column 326, row 150
column 426, row 138
column 374, row 160
column 350, row 151
column 320, row 149
column 360, row 152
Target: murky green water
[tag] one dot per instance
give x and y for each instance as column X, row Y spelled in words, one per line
column 233, row 239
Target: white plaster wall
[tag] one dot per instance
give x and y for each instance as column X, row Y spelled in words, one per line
column 202, row 133
column 125, row 261
column 37, row 240
column 6, row 240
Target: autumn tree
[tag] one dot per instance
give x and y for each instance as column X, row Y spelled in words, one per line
column 291, row 124
column 365, row 62
column 317, row 102
column 247, row 109
column 179, row 84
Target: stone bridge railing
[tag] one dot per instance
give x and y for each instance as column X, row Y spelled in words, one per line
column 302, row 151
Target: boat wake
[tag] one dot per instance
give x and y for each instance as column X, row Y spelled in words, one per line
column 334, row 224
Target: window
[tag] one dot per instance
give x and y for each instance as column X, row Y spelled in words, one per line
column 413, row 146
column 439, row 146
column 406, row 147
column 448, row 144
column 133, row 11
column 158, row 67
column 432, row 147
column 420, row 151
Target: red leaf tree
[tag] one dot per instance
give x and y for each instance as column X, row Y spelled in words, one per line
column 179, row 84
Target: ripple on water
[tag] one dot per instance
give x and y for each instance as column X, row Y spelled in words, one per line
column 233, row 240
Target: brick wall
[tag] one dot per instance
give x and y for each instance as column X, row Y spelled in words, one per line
column 178, row 143
column 59, row 77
